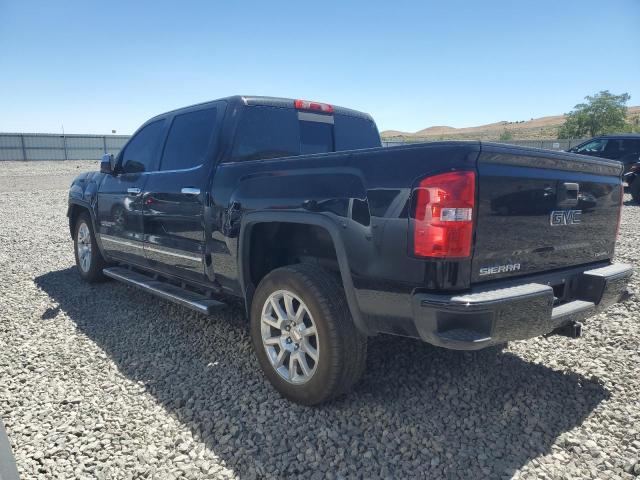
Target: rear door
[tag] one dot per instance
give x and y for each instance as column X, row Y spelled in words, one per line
column 120, row 197
column 175, row 196
column 542, row 210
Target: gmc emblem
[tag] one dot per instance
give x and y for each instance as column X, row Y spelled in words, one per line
column 565, row 217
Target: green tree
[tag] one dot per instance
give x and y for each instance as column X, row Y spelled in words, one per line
column 506, row 135
column 602, row 113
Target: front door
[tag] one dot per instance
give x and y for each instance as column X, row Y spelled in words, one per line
column 120, row 198
column 175, row 196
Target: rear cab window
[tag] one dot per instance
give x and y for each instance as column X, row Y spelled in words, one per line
column 316, row 133
column 266, row 132
column 353, row 133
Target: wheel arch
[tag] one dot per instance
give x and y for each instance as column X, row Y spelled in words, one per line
column 75, row 208
column 73, row 212
column 253, row 219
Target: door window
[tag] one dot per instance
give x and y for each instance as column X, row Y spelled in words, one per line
column 631, row 146
column 141, row 153
column 188, row 140
column 612, row 149
column 593, row 146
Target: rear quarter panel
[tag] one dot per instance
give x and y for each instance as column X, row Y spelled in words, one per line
column 366, row 195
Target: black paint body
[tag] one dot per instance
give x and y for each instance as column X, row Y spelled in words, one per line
column 361, row 200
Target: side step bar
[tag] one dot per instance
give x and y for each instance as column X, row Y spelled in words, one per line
column 194, row 301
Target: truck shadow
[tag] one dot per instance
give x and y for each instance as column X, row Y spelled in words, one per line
column 418, row 410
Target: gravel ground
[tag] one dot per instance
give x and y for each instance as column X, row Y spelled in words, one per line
column 108, row 382
column 27, row 176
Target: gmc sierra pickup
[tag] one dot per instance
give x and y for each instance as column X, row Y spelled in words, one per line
column 295, row 207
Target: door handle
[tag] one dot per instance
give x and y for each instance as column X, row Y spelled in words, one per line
column 190, row 191
column 134, row 190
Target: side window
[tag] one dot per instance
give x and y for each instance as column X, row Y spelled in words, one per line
column 188, row 139
column 593, row 146
column 613, row 149
column 266, row 132
column 631, row 146
column 141, row 153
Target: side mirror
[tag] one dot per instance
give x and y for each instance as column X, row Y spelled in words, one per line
column 108, row 163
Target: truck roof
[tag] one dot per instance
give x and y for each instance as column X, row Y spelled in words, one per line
column 619, row 136
column 241, row 100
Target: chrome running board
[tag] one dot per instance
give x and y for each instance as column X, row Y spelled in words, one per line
column 195, row 301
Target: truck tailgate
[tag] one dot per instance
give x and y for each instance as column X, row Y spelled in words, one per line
column 541, row 210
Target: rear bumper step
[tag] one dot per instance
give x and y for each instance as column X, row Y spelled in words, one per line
column 486, row 317
column 194, row 301
column 572, row 311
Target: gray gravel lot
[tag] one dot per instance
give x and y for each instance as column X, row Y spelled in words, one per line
column 28, row 176
column 104, row 381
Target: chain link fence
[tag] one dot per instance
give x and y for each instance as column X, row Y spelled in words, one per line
column 48, row 146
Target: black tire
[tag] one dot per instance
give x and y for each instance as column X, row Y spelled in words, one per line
column 91, row 271
column 342, row 347
column 635, row 190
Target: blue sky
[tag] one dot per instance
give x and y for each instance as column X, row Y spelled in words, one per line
column 98, row 66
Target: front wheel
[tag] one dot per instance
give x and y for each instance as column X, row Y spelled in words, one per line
column 89, row 260
column 303, row 334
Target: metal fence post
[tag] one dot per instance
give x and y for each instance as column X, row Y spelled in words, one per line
column 64, row 141
column 24, row 150
column 104, row 144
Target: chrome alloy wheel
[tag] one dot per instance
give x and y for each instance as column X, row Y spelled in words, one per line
column 84, row 247
column 289, row 337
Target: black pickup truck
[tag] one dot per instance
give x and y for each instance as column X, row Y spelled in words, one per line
column 328, row 238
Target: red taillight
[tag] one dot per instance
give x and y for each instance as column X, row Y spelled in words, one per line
column 444, row 215
column 307, row 105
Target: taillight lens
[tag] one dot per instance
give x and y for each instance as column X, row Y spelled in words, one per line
column 444, row 208
column 308, row 105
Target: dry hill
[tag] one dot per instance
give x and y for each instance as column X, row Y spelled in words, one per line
column 536, row 128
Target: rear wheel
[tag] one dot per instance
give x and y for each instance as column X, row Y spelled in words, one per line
column 303, row 334
column 89, row 260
